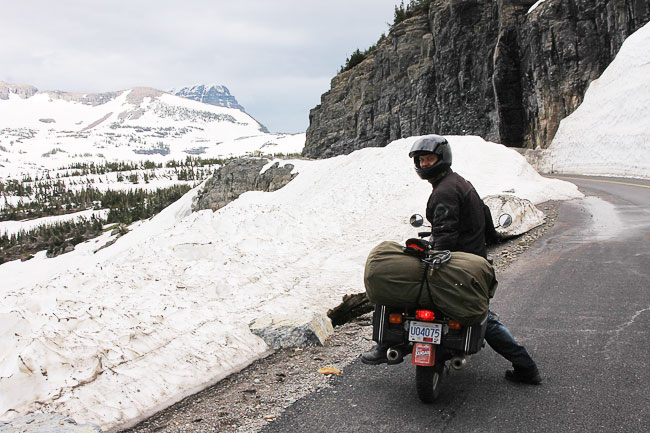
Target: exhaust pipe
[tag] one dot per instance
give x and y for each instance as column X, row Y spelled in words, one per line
column 394, row 356
column 458, row 362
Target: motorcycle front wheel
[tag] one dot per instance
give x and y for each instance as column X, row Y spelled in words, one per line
column 428, row 381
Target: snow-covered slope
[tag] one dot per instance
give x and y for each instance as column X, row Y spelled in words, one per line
column 609, row 134
column 110, row 337
column 50, row 130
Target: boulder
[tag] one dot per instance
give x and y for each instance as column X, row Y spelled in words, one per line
column 525, row 216
column 238, row 176
column 297, row 330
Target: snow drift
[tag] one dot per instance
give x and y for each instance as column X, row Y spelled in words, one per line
column 609, row 134
column 110, row 338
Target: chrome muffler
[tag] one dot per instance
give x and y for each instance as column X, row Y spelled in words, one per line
column 458, row 362
column 394, row 356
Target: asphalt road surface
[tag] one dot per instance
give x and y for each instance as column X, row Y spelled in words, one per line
column 579, row 300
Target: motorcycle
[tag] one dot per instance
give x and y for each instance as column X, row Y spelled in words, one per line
column 435, row 341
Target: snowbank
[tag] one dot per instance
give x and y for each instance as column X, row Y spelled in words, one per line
column 609, row 134
column 111, row 337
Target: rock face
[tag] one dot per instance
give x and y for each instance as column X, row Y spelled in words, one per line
column 481, row 67
column 564, row 46
column 239, row 176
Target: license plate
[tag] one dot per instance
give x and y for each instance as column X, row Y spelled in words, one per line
column 423, row 332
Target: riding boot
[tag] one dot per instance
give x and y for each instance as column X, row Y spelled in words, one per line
column 376, row 355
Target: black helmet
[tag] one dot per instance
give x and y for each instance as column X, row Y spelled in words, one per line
column 431, row 144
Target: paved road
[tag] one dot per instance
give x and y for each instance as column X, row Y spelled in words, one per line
column 579, row 299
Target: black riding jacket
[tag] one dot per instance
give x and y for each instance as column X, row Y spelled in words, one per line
column 458, row 216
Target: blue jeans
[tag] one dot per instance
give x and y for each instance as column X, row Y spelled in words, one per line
column 503, row 343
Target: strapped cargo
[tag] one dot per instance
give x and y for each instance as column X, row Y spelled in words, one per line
column 461, row 286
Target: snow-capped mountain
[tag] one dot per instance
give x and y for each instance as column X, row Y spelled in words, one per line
column 212, row 94
column 52, row 129
column 209, row 94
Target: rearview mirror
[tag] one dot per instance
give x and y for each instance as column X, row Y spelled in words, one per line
column 416, row 220
column 505, row 220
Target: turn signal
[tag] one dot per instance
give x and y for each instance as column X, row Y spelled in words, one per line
column 454, row 325
column 395, row 318
column 425, row 315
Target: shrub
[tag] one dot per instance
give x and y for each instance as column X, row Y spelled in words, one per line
column 402, row 12
column 413, row 8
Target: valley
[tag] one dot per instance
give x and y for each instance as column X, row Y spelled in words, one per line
column 124, row 155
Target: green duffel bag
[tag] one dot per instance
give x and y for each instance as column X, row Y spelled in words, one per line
column 461, row 287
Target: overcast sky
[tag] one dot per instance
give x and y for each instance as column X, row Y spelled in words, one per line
column 276, row 56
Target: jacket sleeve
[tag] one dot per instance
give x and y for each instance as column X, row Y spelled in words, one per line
column 443, row 212
column 491, row 235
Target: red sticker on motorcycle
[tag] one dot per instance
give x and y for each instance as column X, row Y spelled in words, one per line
column 423, row 354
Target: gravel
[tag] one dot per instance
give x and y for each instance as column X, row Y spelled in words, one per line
column 248, row 400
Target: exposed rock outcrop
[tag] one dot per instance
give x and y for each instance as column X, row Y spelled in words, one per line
column 482, row 67
column 23, row 90
column 239, row 176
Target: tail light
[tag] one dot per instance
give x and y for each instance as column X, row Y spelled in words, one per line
column 425, row 315
column 395, row 318
column 454, row 325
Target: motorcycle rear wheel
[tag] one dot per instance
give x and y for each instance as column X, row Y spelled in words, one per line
column 428, row 381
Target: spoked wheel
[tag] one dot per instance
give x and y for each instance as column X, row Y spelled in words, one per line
column 428, row 381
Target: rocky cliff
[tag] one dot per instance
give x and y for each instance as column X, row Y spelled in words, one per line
column 491, row 68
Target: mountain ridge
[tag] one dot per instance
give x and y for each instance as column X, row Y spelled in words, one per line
column 54, row 129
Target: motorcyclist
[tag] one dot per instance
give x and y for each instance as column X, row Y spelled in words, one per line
column 460, row 221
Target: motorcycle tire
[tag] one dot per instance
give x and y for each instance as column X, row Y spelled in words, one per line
column 428, row 381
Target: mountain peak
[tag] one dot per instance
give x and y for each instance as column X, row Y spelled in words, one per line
column 213, row 94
